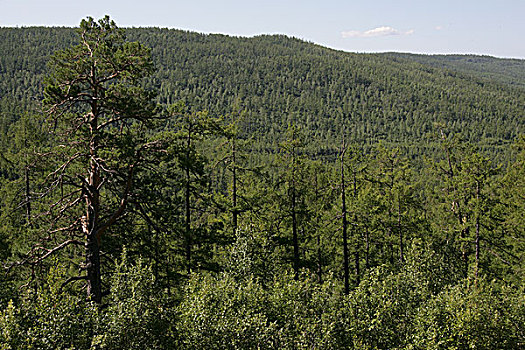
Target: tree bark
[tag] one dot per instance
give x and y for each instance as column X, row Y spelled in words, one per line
column 94, row 280
column 92, row 195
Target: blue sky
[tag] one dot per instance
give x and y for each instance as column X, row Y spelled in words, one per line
column 495, row 27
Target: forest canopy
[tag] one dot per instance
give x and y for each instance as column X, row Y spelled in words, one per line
column 168, row 189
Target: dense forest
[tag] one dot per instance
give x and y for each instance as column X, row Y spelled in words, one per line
column 169, row 189
column 507, row 71
column 281, row 81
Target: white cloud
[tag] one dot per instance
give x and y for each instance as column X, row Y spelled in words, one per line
column 380, row 31
column 439, row 28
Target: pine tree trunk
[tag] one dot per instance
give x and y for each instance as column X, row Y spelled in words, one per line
column 168, row 275
column 92, row 245
column 455, row 203
column 94, row 281
column 90, row 227
column 92, row 222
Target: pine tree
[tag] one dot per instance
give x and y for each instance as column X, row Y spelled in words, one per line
column 99, row 116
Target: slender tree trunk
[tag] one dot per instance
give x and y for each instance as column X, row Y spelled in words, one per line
column 367, row 239
column 168, row 275
column 390, row 224
column 91, row 226
column 400, row 231
column 187, row 221
column 464, row 231
column 357, row 238
column 158, row 255
column 346, row 269
column 464, row 247
column 234, row 189
column 28, row 196
column 390, row 238
column 319, row 261
column 319, row 250
column 294, row 219
column 294, row 233
column 477, row 230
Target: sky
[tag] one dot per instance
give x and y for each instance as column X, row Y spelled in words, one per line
column 484, row 27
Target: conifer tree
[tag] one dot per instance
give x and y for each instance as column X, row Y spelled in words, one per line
column 99, row 116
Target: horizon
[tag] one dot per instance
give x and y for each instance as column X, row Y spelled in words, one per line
column 448, row 27
column 286, row 35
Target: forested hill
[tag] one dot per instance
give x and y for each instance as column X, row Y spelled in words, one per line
column 300, row 211
column 280, row 80
column 506, row 71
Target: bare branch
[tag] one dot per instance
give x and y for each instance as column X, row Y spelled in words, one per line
column 121, row 207
column 72, row 279
column 56, row 249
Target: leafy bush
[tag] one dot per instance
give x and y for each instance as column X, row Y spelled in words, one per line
column 137, row 316
column 304, row 312
column 467, row 316
column 220, row 313
column 49, row 319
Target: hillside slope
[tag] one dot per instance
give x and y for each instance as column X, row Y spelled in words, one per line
column 280, row 80
column 506, row 71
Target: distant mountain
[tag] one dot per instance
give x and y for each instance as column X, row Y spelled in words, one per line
column 394, row 98
column 503, row 70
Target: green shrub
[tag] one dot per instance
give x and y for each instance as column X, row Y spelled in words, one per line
column 137, row 315
column 472, row 316
column 49, row 319
column 221, row 313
